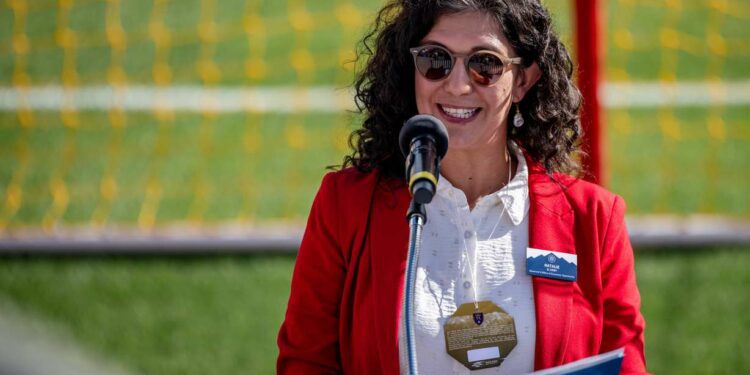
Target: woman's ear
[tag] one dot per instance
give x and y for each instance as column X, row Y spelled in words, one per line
column 526, row 78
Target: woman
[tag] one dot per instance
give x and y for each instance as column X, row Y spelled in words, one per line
column 496, row 75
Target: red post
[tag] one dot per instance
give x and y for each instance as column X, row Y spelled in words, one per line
column 589, row 55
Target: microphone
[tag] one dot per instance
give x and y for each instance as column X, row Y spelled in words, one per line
column 423, row 140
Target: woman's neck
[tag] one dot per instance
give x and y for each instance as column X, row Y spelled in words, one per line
column 477, row 174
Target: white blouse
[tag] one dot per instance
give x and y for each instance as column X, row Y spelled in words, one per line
column 496, row 233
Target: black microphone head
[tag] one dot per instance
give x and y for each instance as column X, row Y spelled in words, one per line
column 424, row 125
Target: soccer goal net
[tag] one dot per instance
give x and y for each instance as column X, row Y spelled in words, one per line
column 146, row 113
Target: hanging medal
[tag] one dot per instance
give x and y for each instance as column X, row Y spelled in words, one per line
column 480, row 335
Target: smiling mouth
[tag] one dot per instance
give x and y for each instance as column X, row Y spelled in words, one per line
column 458, row 113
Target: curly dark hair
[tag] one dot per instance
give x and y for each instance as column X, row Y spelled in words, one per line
column 385, row 87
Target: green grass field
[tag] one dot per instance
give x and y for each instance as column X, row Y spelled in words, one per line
column 221, row 315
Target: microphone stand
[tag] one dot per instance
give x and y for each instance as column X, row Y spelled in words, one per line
column 416, row 216
column 423, row 140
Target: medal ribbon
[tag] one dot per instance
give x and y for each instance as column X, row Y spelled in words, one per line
column 473, row 267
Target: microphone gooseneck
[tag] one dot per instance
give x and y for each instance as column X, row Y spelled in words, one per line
column 424, row 141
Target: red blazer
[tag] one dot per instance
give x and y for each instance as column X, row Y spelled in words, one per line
column 345, row 303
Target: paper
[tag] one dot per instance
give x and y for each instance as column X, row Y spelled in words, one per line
column 603, row 364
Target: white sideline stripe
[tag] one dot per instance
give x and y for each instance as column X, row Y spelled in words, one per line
column 286, row 99
column 242, row 237
column 678, row 94
column 32, row 345
column 178, row 98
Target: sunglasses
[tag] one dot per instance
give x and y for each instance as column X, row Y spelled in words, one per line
column 483, row 67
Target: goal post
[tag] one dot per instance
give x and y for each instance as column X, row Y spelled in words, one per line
column 588, row 18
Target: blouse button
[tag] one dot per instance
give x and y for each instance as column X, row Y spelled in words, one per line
column 467, row 234
column 467, row 284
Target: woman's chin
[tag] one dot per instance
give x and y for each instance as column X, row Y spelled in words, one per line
column 473, row 145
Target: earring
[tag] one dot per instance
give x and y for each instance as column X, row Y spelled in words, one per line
column 518, row 118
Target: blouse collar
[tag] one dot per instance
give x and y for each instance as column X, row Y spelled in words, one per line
column 514, row 195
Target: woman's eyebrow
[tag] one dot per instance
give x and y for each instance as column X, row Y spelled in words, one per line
column 428, row 41
column 481, row 47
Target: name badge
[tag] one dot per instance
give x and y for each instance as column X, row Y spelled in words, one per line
column 551, row 264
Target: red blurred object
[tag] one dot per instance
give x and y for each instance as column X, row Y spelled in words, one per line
column 589, row 54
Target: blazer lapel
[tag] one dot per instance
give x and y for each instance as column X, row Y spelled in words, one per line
column 388, row 245
column 551, row 222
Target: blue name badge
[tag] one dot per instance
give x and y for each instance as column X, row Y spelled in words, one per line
column 551, row 264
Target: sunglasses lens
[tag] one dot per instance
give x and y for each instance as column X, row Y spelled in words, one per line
column 484, row 68
column 434, row 63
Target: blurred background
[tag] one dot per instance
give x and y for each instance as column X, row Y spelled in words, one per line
column 142, row 117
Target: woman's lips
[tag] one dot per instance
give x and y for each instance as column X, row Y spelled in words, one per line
column 458, row 114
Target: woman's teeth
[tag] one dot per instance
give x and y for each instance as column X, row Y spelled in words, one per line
column 460, row 112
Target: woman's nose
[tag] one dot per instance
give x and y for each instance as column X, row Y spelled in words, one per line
column 458, row 81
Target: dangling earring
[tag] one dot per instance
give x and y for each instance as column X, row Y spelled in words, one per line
column 518, row 118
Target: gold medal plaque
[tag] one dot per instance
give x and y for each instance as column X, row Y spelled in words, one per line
column 480, row 338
